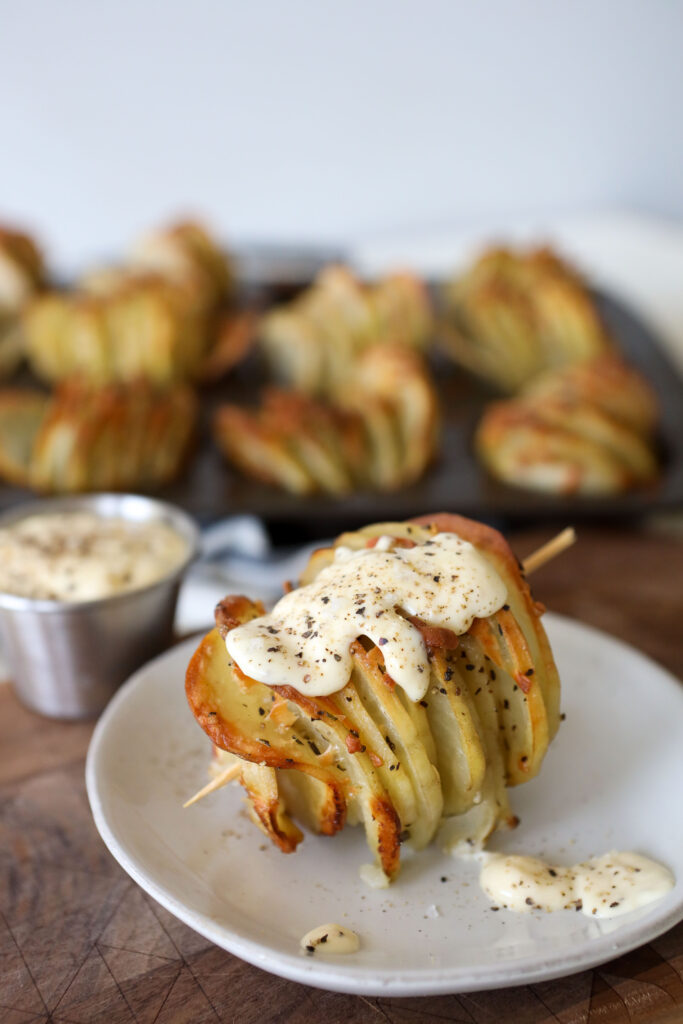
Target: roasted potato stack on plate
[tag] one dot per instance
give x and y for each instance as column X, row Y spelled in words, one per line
column 367, row 753
column 378, row 433
column 515, row 313
column 84, row 439
column 586, row 429
column 312, row 343
column 21, row 276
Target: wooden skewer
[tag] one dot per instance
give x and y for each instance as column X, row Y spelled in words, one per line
column 226, row 776
column 550, row 550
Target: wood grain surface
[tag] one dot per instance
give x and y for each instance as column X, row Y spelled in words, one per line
column 81, row 943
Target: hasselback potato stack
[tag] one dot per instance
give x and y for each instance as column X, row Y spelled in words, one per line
column 311, row 344
column 514, row 313
column 85, row 438
column 584, row 429
column 155, row 316
column 377, row 432
column 367, row 752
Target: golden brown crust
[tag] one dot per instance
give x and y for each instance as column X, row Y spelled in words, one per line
column 388, row 825
column 254, row 443
column 234, row 610
column 267, row 807
column 271, row 744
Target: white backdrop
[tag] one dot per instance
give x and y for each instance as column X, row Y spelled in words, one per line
column 328, row 121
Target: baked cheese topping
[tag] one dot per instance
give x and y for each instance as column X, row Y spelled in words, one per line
column 80, row 556
column 606, row 886
column 304, row 642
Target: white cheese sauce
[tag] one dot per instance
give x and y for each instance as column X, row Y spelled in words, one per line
column 304, row 642
column 330, row 938
column 602, row 887
column 80, row 556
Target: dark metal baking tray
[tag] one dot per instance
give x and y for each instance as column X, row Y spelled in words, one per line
column 210, row 489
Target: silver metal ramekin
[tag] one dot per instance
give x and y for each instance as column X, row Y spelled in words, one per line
column 67, row 659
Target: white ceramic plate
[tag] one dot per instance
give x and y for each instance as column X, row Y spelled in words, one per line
column 612, row 779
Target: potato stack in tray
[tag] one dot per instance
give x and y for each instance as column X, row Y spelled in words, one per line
column 581, row 421
column 514, row 313
column 152, row 317
column 358, row 408
column 584, row 429
column 121, row 350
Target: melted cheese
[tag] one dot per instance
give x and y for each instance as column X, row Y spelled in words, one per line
column 606, row 886
column 304, row 642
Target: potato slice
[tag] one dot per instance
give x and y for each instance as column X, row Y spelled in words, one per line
column 408, row 756
column 458, row 736
column 259, row 450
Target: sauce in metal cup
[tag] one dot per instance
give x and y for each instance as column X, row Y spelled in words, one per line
column 67, row 657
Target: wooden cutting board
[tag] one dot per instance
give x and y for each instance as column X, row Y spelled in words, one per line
column 81, row 943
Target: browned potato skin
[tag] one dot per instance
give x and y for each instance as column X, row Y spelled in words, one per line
column 224, row 734
column 267, row 808
column 378, row 431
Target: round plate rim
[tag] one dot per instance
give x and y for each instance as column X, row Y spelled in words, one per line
column 354, row 978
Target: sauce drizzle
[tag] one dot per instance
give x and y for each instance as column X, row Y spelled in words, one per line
column 305, row 640
column 601, row 887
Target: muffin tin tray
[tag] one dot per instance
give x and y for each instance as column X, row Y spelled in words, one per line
column 209, row 489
